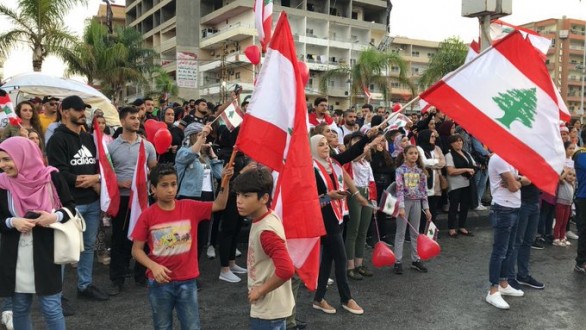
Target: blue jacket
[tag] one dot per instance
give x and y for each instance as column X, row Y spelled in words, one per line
column 190, row 172
column 580, row 166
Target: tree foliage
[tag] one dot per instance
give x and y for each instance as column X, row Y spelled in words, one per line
column 371, row 67
column 450, row 56
column 40, row 25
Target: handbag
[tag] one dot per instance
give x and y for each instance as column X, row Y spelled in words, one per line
column 68, row 238
column 443, row 182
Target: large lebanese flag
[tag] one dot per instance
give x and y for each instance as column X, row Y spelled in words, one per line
column 139, row 199
column 274, row 133
column 506, row 99
column 109, row 194
column 263, row 20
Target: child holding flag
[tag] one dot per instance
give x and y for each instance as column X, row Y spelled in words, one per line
column 411, row 182
column 169, row 227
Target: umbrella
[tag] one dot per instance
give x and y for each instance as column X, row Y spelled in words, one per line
column 41, row 84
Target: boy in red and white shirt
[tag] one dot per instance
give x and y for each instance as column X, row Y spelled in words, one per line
column 269, row 265
column 169, row 227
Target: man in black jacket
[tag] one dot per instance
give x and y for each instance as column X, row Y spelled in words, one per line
column 73, row 152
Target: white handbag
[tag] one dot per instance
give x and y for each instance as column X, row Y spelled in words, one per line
column 68, row 238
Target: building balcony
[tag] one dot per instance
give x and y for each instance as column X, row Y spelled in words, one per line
column 168, row 44
column 232, row 9
column 216, row 88
column 376, row 3
column 232, row 60
column 212, row 38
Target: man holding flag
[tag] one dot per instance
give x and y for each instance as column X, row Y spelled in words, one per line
column 73, row 152
column 125, row 152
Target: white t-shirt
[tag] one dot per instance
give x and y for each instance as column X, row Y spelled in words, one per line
column 501, row 195
column 207, row 180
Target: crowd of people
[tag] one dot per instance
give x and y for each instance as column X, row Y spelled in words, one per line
column 201, row 199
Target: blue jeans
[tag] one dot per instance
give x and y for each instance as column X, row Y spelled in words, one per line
column 50, row 307
column 481, row 178
column 546, row 216
column 504, row 223
column 181, row 295
column 526, row 231
column 91, row 215
column 259, row 324
column 7, row 305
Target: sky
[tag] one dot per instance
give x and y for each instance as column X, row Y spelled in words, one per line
column 419, row 19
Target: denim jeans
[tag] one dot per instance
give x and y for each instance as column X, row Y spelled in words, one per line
column 481, row 178
column 526, row 231
column 504, row 223
column 91, row 215
column 546, row 214
column 181, row 295
column 50, row 307
column 259, row 324
column 581, row 224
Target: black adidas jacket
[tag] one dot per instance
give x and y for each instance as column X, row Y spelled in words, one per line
column 74, row 154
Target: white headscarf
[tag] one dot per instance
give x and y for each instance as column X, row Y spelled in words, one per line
column 314, row 142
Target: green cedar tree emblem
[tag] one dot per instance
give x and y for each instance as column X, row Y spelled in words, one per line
column 7, row 110
column 518, row 104
column 231, row 114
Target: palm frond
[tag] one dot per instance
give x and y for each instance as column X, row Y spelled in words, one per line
column 328, row 75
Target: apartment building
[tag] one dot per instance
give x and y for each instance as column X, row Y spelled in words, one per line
column 328, row 34
column 118, row 15
column 565, row 59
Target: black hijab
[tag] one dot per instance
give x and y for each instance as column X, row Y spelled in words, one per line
column 423, row 141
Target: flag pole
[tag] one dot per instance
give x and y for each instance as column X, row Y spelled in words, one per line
column 230, row 165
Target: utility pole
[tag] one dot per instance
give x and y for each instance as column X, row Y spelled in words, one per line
column 485, row 11
column 223, row 73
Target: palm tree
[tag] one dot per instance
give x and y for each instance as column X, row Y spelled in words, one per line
column 371, row 68
column 164, row 84
column 38, row 23
column 450, row 55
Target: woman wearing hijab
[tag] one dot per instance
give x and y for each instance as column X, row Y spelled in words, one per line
column 331, row 186
column 461, row 168
column 434, row 161
column 169, row 116
column 446, row 129
column 29, row 192
column 400, row 142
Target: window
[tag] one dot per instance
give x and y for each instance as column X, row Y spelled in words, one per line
column 415, row 53
column 430, row 55
column 415, row 71
column 237, row 75
column 332, row 83
column 371, row 87
column 310, row 81
column 394, row 68
column 395, row 85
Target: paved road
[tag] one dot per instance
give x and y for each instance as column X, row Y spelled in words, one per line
column 450, row 296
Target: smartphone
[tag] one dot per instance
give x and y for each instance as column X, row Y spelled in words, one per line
column 325, row 199
column 31, row 215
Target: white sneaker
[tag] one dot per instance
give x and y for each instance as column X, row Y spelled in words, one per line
column 565, row 242
column 7, row 320
column 571, row 235
column 238, row 253
column 510, row 291
column 229, row 277
column 557, row 242
column 480, row 208
column 497, row 300
column 238, row 270
column 330, row 281
column 211, row 252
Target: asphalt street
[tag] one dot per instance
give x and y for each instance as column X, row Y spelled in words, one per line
column 450, row 296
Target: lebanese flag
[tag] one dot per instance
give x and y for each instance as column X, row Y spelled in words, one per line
column 139, row 199
column 397, row 120
column 366, row 93
column 110, row 196
column 232, row 116
column 499, row 29
column 263, row 20
column 506, row 99
column 7, row 111
column 565, row 115
column 274, row 133
column 424, row 106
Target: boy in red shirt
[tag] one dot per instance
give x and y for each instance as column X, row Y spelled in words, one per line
column 169, row 227
column 269, row 265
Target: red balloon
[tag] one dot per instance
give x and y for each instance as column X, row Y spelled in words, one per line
column 304, row 70
column 382, row 255
column 151, row 127
column 427, row 248
column 396, row 107
column 162, row 140
column 253, row 54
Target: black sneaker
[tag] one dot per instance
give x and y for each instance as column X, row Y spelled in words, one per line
column 530, row 282
column 514, row 284
column 538, row 244
column 66, row 306
column 115, row 289
column 580, row 269
column 418, row 266
column 92, row 293
column 398, row 269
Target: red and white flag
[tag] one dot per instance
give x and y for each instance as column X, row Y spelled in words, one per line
column 506, row 99
column 274, row 133
column 263, row 20
column 6, row 109
column 232, row 116
column 366, row 93
column 139, row 199
column 499, row 29
column 473, row 51
column 424, row 106
column 109, row 194
column 397, row 120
